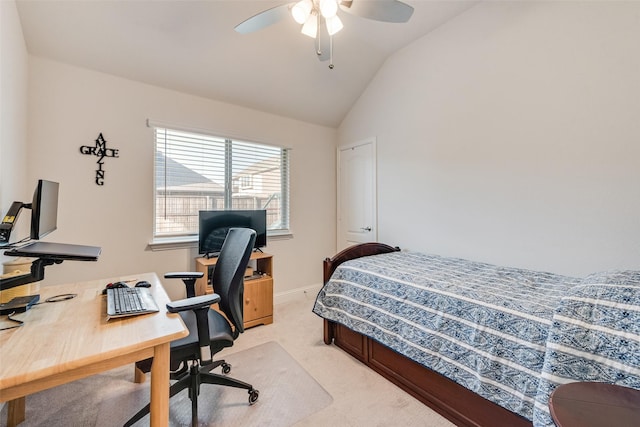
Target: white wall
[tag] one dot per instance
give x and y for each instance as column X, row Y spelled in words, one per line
column 70, row 106
column 13, row 117
column 13, row 114
column 512, row 135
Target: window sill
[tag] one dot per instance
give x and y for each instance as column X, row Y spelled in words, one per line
column 169, row 243
column 191, row 242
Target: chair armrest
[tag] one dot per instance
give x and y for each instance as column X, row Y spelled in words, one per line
column 192, row 303
column 184, row 275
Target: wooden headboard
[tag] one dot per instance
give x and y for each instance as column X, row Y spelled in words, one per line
column 352, row 252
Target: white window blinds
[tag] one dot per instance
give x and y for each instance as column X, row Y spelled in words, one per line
column 195, row 172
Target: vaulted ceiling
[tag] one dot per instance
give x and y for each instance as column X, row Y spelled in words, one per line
column 191, row 46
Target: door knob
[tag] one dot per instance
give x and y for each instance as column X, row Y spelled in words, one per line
column 365, row 228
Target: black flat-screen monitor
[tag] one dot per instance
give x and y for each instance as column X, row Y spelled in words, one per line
column 44, row 209
column 214, row 225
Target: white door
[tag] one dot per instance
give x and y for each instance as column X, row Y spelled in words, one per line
column 357, row 194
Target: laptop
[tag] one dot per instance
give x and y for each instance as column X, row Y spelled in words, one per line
column 57, row 251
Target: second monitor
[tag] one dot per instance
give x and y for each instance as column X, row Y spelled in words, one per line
column 214, row 225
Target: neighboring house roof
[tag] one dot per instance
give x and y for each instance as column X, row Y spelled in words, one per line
column 184, row 178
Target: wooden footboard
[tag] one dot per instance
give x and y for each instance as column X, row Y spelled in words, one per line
column 456, row 403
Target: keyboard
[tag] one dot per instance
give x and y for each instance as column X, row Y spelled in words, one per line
column 123, row 302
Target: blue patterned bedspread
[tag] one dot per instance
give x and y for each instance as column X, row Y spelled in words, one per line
column 510, row 335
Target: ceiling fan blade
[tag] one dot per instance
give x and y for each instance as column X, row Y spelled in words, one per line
column 263, row 19
column 379, row 10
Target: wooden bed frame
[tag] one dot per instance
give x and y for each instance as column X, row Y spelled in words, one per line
column 453, row 401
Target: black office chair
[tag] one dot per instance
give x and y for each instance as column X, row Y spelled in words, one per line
column 209, row 331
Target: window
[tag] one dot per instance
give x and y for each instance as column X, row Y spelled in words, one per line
column 195, row 172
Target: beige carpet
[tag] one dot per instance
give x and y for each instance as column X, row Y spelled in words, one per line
column 288, row 394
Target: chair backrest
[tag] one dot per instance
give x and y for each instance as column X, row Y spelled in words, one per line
column 228, row 276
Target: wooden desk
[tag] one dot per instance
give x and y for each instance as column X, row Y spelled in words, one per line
column 64, row 341
column 592, row 404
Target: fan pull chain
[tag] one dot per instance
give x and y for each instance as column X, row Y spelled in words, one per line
column 318, row 37
column 330, row 52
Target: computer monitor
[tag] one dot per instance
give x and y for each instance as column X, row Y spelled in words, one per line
column 44, row 209
column 214, row 226
column 44, row 219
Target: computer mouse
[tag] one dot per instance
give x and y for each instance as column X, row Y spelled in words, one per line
column 117, row 285
column 143, row 284
column 114, row 285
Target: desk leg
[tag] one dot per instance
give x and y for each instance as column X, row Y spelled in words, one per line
column 160, row 386
column 16, row 410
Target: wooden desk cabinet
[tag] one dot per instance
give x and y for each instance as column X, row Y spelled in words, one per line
column 258, row 289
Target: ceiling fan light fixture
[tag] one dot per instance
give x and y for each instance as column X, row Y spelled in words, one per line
column 334, row 24
column 310, row 27
column 311, row 14
column 328, row 8
column 301, row 11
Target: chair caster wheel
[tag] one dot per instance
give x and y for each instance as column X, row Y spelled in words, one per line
column 226, row 368
column 253, row 396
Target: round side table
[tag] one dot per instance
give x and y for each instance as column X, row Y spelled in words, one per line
column 591, row 404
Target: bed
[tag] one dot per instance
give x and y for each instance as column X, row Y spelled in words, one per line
column 483, row 345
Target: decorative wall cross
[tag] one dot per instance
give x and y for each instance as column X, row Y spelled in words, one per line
column 100, row 150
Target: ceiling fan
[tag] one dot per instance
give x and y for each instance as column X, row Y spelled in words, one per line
column 319, row 18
